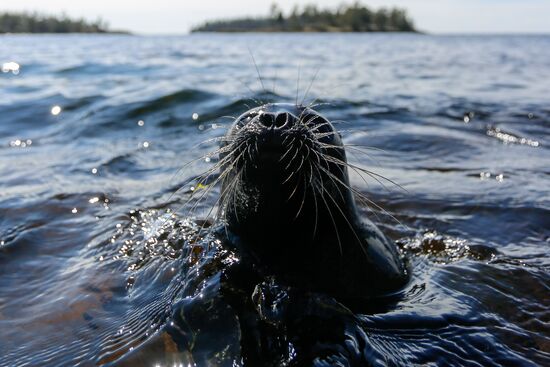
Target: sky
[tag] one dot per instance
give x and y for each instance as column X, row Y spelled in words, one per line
column 171, row 17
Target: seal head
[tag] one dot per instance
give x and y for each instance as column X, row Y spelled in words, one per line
column 286, row 201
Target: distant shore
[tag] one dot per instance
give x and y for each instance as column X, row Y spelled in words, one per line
column 346, row 18
column 23, row 22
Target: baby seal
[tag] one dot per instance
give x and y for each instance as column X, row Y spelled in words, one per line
column 287, row 202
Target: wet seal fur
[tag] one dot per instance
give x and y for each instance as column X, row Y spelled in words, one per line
column 287, row 203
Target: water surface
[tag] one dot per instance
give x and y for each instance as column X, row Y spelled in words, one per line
column 101, row 261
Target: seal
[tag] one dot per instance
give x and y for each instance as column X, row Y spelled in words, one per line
column 287, row 203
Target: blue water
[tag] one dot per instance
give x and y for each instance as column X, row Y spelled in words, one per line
column 101, row 261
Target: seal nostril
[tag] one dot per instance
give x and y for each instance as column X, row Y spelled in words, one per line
column 275, row 120
column 282, row 119
column 267, row 119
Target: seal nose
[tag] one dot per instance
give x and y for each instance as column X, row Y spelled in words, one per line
column 277, row 120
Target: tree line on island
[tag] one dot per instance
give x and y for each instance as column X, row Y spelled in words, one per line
column 23, row 22
column 346, row 18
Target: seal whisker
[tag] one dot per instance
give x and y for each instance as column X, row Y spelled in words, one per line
column 345, row 147
column 353, row 146
column 348, row 222
column 306, row 123
column 209, row 154
column 322, row 192
column 231, row 185
column 340, row 121
column 274, row 80
column 333, row 133
column 302, row 160
column 295, row 153
column 357, row 193
column 288, row 150
column 226, row 194
column 255, row 100
column 331, row 177
column 220, row 163
column 216, row 139
column 206, row 191
column 285, row 139
column 374, row 175
column 192, row 210
column 228, row 117
column 303, row 199
column 257, row 69
column 319, row 136
column 314, row 200
column 217, row 203
column 310, row 85
column 365, row 198
column 368, row 203
column 232, row 194
column 362, row 196
column 355, row 169
column 316, row 127
column 202, row 179
column 298, row 84
column 293, row 191
column 366, row 147
column 292, row 173
column 308, row 151
column 313, row 104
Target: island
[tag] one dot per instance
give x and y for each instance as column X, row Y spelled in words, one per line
column 24, row 22
column 346, row 18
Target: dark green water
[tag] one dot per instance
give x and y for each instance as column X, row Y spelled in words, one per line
column 100, row 258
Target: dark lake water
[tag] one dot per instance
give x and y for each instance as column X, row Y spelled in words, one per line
column 101, row 261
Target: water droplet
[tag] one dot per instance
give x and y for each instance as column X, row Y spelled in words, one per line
column 499, row 178
column 93, row 200
column 146, row 144
column 195, row 116
column 530, row 116
column 94, row 171
column 141, row 123
column 207, row 159
column 74, row 211
column 484, row 175
column 466, row 119
column 11, row 66
column 56, row 110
